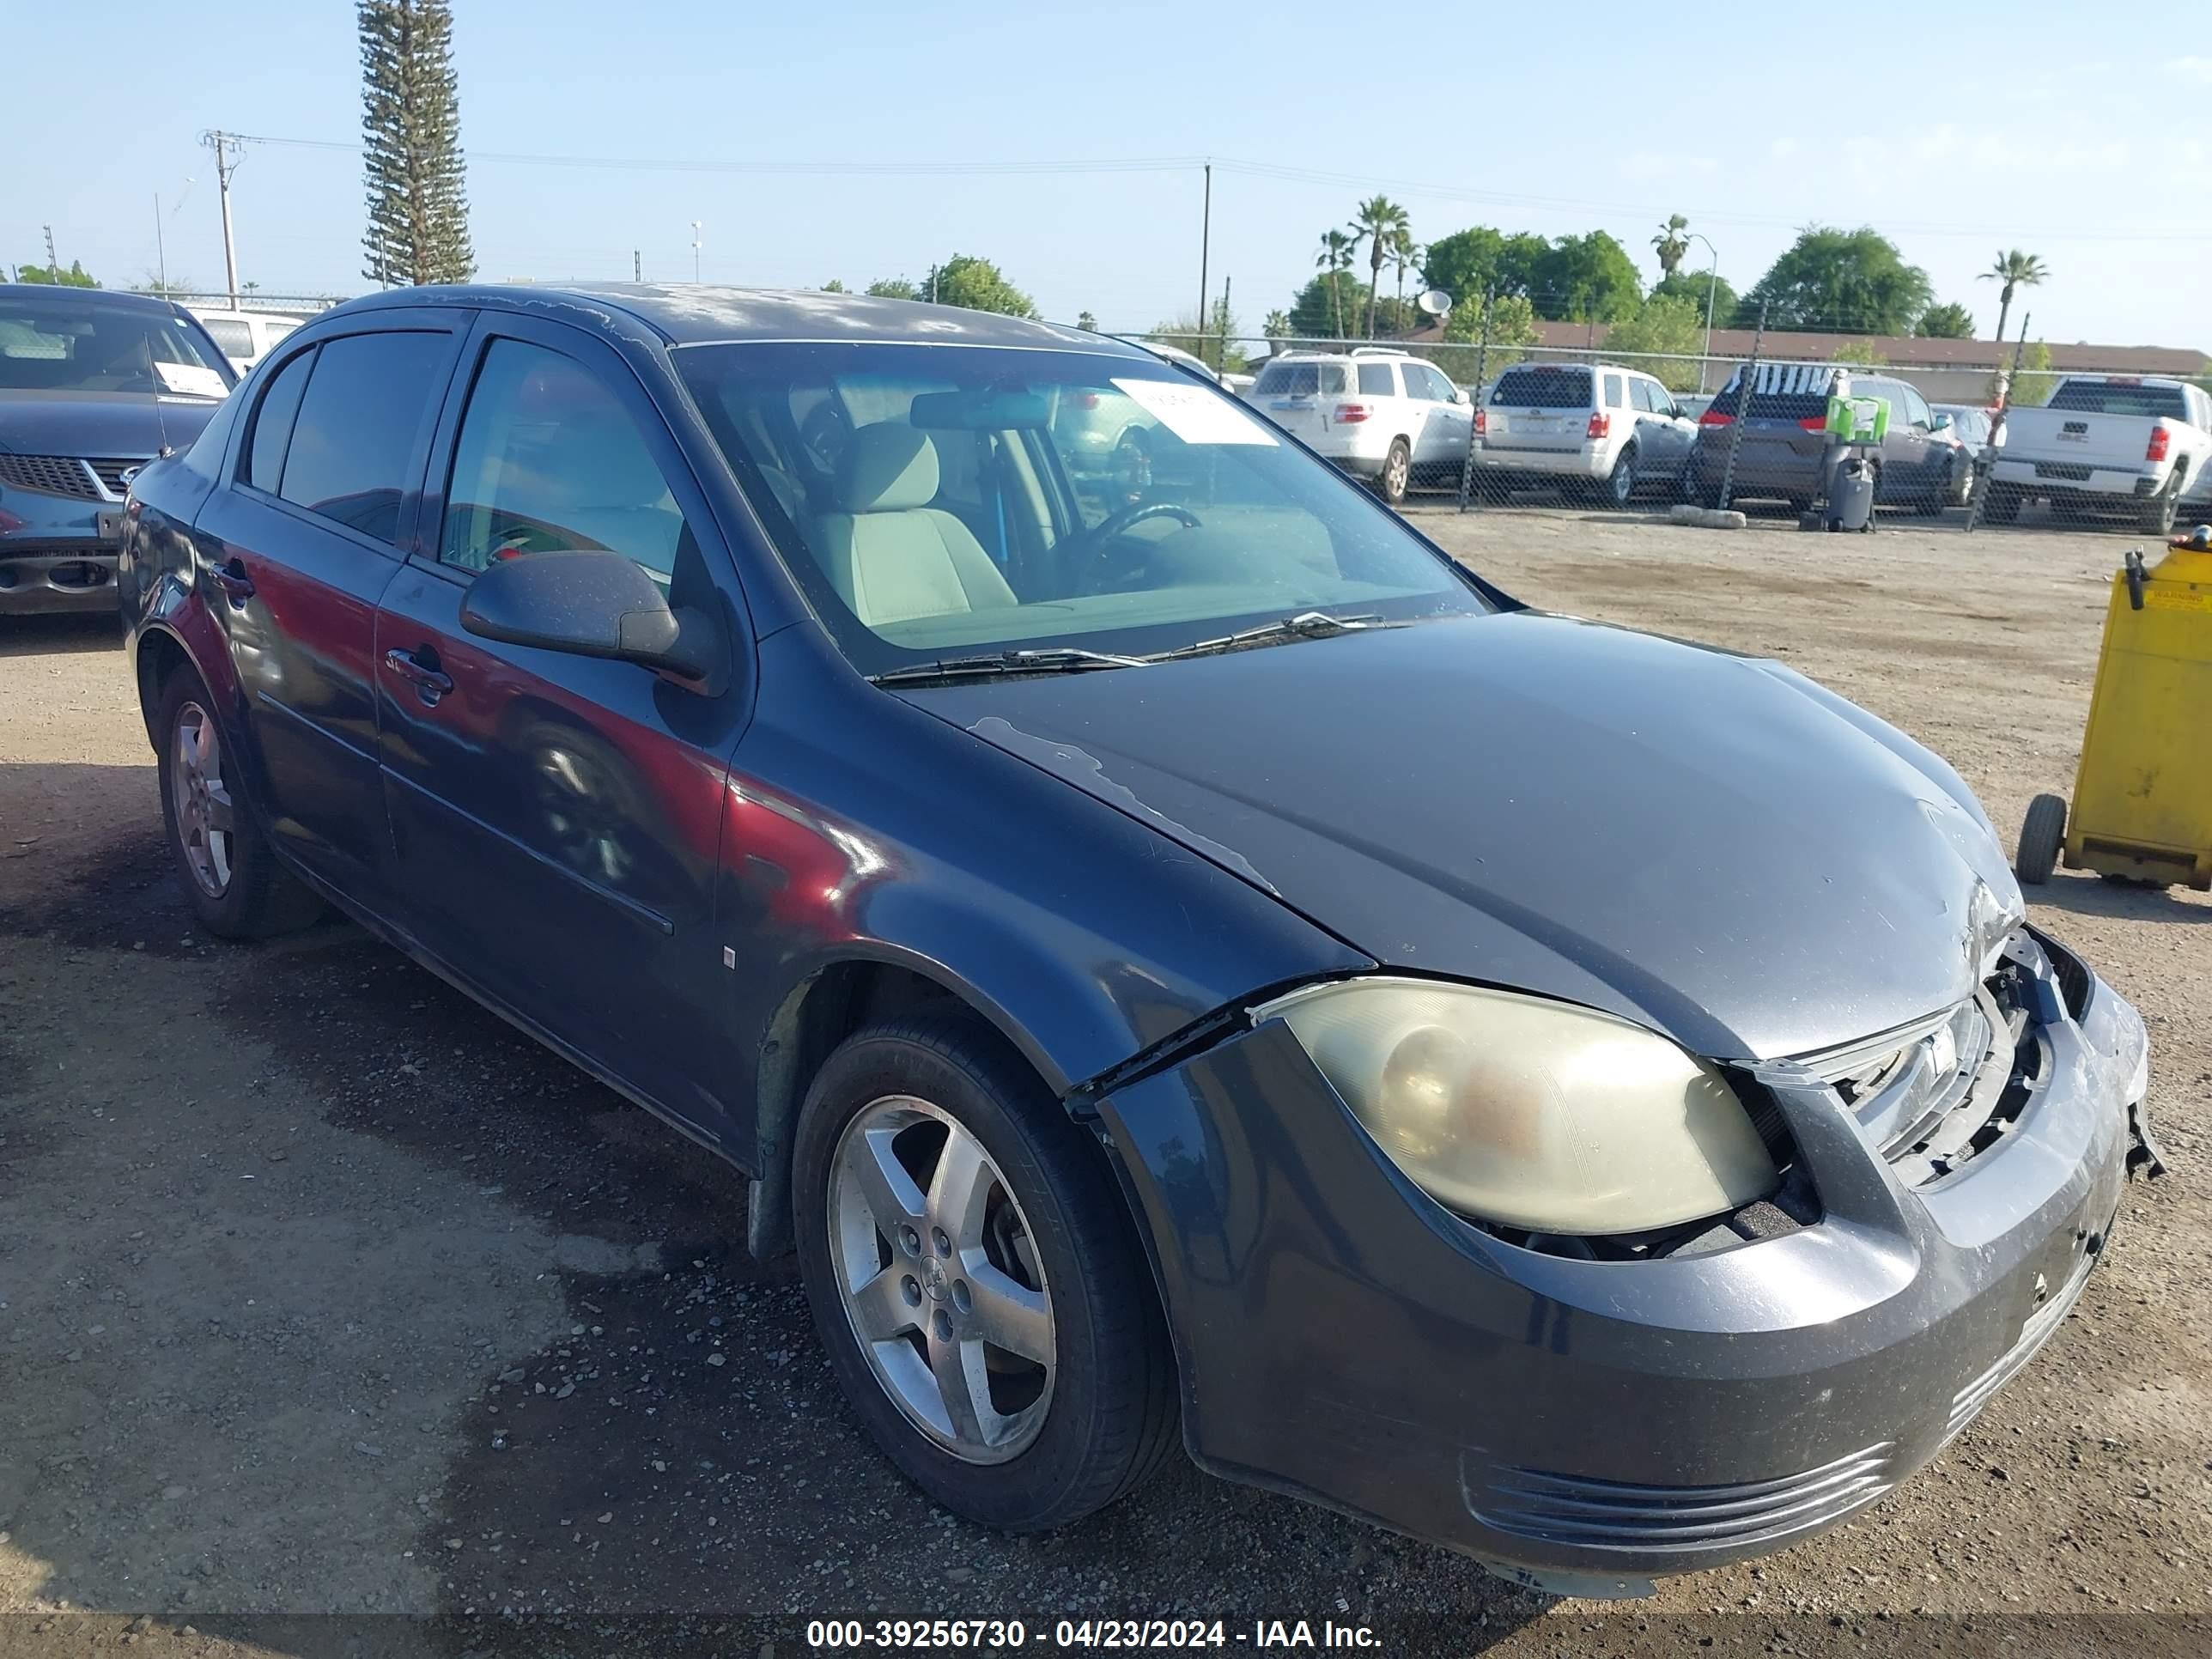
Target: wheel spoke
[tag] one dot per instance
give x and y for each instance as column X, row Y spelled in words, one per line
column 219, row 817
column 962, row 1384
column 959, row 1187
column 1009, row 1315
column 203, row 743
column 880, row 1310
column 893, row 1198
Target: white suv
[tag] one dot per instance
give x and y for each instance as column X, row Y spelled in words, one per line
column 1380, row 414
column 1604, row 429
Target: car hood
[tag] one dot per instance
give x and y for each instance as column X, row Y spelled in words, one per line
column 99, row 424
column 1710, row 844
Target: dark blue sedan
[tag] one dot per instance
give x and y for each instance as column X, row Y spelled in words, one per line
column 92, row 386
column 1178, row 956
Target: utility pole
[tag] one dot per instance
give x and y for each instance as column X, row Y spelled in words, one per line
column 695, row 251
column 2006, row 383
column 1221, row 358
column 636, row 266
column 1713, row 289
column 1205, row 247
column 225, row 146
column 160, row 246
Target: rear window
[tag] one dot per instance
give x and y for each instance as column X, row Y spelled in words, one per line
column 1300, row 379
column 1784, row 391
column 1544, row 387
column 2110, row 398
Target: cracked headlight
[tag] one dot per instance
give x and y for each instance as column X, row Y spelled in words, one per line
column 1530, row 1113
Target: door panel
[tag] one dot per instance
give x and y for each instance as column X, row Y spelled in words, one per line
column 555, row 819
column 294, row 571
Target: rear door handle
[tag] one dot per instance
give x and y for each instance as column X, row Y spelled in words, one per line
column 237, row 586
column 429, row 682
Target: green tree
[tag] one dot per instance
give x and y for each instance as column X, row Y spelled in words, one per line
column 1587, row 279
column 976, row 285
column 1405, row 254
column 1512, row 329
column 1666, row 339
column 1208, row 343
column 54, row 276
column 1277, row 329
column 1946, row 322
column 411, row 122
column 1333, row 260
column 1694, row 286
column 1466, row 263
column 154, row 284
column 1380, row 221
column 2032, row 387
column 1671, row 244
column 893, row 288
column 2015, row 271
column 1323, row 303
column 1831, row 281
column 1086, row 322
column 835, row 286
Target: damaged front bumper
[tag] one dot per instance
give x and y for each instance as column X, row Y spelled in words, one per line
column 1583, row 1425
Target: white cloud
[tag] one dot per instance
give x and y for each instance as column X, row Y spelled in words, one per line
column 1782, row 149
column 2195, row 70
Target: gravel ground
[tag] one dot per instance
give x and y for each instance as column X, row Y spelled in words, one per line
column 335, row 1318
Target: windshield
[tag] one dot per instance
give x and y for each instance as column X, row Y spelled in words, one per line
column 936, row 500
column 63, row 342
column 2120, row 398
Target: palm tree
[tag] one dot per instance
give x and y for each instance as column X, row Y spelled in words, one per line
column 1277, row 328
column 2015, row 270
column 1379, row 220
column 1335, row 257
column 1671, row 243
column 1404, row 252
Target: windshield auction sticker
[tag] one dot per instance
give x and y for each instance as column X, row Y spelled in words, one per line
column 1195, row 415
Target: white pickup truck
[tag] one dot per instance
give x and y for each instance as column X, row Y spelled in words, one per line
column 2108, row 442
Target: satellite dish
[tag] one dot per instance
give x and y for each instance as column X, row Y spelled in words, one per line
column 1434, row 303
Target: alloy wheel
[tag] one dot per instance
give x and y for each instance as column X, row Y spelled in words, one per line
column 205, row 813
column 941, row 1279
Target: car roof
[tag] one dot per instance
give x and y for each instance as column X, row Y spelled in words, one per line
column 116, row 299
column 699, row 314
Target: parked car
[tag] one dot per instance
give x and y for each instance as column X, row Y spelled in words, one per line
column 246, row 336
column 93, row 385
column 2108, row 442
column 1602, row 430
column 1786, row 446
column 1382, row 415
column 1079, row 926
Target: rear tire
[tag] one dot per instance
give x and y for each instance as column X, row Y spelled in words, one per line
column 1618, row 488
column 1101, row 1417
column 2042, row 835
column 2161, row 511
column 1397, row 472
column 229, row 872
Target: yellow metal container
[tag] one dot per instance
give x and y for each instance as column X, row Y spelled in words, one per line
column 2143, row 796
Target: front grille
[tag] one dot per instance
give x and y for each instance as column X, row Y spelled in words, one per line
column 50, row 475
column 1619, row 1515
column 2065, row 472
column 110, row 473
column 1934, row 1095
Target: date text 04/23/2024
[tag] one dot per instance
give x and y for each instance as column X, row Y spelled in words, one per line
column 992, row 1635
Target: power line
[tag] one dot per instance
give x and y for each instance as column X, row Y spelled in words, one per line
column 818, row 169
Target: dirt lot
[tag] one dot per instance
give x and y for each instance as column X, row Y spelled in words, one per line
column 323, row 1299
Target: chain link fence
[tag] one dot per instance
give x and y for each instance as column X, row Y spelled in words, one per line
column 1538, row 419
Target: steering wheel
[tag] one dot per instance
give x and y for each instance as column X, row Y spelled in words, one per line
column 1117, row 524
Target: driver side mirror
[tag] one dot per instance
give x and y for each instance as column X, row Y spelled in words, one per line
column 1941, row 424
column 594, row 603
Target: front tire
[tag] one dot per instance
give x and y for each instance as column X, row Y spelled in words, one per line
column 973, row 1274
column 2042, row 833
column 230, row 874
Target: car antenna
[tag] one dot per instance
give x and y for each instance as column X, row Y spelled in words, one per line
column 161, row 420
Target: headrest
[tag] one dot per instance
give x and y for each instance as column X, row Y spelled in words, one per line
column 888, row 468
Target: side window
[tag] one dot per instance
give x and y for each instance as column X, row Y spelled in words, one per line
column 548, row 460
column 264, row 465
column 1640, row 392
column 1332, row 379
column 1375, row 382
column 360, row 428
column 1426, row 384
column 233, row 334
column 1919, row 406
column 1613, row 392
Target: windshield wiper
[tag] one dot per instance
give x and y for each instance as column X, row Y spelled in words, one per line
column 1306, row 625
column 1044, row 659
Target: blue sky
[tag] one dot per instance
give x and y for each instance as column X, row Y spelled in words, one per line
column 1996, row 126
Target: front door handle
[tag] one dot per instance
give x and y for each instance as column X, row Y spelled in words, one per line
column 430, row 683
column 237, row 586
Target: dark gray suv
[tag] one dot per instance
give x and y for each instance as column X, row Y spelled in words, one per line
column 1784, row 440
